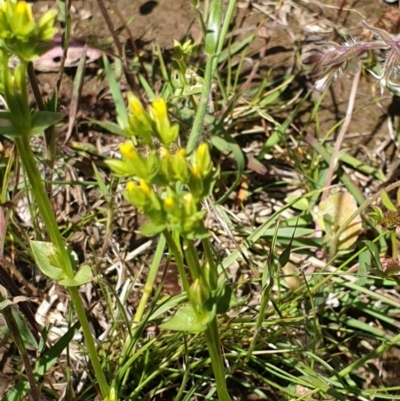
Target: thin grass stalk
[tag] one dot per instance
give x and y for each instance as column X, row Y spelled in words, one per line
column 148, row 287
column 19, row 342
column 211, row 66
column 46, row 211
column 339, row 140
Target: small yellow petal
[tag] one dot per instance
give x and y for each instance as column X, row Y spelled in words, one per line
column 136, row 106
column 24, row 9
column 128, row 150
column 181, row 152
column 169, row 202
column 131, row 186
column 160, row 108
column 196, row 171
column 145, row 188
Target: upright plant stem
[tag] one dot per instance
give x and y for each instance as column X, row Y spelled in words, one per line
column 46, row 211
column 178, row 260
column 211, row 333
column 211, row 67
column 148, row 287
column 212, row 338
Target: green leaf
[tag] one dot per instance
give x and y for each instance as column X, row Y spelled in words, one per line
column 224, row 302
column 301, row 204
column 214, row 27
column 108, row 126
column 45, row 257
column 285, row 255
column 149, row 229
column 184, row 319
column 23, row 328
column 6, row 126
column 83, row 276
column 387, row 201
column 122, row 114
column 104, row 189
column 44, row 119
column 364, row 266
column 375, row 253
column 377, row 214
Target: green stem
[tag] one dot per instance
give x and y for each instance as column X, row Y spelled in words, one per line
column 178, row 260
column 212, row 338
column 211, row 333
column 46, row 211
column 195, row 134
column 148, row 287
column 192, row 259
column 211, row 66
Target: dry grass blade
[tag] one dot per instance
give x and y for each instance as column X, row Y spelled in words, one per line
column 76, row 93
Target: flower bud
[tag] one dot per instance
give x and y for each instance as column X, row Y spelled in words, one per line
column 5, row 31
column 166, row 132
column 203, row 160
column 139, row 120
column 23, row 23
column 169, row 204
column 135, row 195
column 136, row 163
column 210, row 276
column 46, row 24
column 189, row 204
column 145, row 188
column 199, row 294
column 165, row 164
column 196, row 182
column 179, row 166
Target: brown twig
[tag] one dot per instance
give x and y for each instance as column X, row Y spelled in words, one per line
column 117, row 43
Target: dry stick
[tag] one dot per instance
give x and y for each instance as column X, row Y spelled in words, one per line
column 117, row 44
column 342, row 132
column 133, row 44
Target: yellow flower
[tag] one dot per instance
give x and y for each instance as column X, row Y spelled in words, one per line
column 144, row 187
column 181, row 152
column 128, row 150
column 169, row 202
column 136, row 106
column 24, row 10
column 159, row 108
column 195, row 171
column 203, row 159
